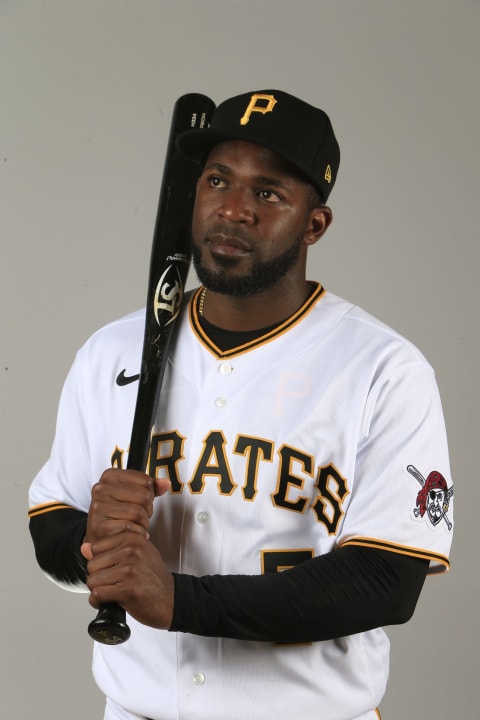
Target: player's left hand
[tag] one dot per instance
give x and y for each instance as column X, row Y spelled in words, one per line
column 128, row 569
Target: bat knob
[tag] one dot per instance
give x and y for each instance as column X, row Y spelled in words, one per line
column 109, row 627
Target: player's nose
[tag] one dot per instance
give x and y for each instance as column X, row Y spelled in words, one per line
column 237, row 205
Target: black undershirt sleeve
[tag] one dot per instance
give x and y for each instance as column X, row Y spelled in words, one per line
column 344, row 592
column 57, row 537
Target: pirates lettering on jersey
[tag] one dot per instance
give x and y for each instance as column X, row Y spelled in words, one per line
column 333, row 490
column 213, row 461
column 295, row 473
column 166, row 450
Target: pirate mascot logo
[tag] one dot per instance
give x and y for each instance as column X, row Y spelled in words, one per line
column 433, row 500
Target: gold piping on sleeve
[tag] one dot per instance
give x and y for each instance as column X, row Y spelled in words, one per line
column 402, row 550
column 48, row 507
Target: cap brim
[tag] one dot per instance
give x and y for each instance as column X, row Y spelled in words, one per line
column 196, row 145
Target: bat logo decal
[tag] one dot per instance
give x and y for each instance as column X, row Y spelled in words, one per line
column 168, row 295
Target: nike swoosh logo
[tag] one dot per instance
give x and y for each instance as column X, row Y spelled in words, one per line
column 123, row 379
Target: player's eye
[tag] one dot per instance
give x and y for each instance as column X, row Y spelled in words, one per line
column 269, row 196
column 216, row 182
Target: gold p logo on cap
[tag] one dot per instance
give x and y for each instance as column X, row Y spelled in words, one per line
column 253, row 107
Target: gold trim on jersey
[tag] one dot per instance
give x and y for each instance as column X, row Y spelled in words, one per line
column 286, row 325
column 48, row 507
column 402, row 550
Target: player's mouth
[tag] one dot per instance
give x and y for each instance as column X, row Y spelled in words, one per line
column 222, row 244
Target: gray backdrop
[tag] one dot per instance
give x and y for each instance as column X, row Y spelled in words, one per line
column 86, row 93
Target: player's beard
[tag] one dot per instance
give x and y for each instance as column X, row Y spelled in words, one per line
column 262, row 276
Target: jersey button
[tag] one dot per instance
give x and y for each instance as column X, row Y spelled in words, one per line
column 225, row 368
column 202, row 517
column 198, row 679
column 220, row 402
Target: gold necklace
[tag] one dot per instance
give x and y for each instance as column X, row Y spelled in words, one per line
column 201, row 302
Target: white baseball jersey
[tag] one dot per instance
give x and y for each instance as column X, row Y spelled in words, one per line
column 325, row 432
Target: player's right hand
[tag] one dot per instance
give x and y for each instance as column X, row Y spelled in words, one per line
column 122, row 501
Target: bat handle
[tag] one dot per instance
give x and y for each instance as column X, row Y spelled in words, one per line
column 110, row 627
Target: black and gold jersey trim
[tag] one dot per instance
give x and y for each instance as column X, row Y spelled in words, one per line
column 269, row 335
column 48, row 507
column 402, row 550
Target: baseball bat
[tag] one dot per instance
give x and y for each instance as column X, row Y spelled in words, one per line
column 169, row 265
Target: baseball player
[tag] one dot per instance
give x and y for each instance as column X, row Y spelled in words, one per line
column 280, row 524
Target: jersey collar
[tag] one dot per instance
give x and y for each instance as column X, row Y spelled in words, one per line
column 263, row 337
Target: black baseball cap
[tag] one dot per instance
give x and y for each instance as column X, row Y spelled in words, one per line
column 298, row 132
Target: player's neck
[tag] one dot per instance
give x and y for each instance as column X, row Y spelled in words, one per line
column 252, row 312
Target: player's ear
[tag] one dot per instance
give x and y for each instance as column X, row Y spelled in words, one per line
column 318, row 223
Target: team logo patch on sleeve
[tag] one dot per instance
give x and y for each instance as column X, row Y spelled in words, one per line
column 433, row 500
